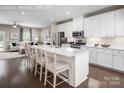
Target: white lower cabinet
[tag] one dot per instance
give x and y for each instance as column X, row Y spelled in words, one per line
column 93, row 55
column 113, row 59
column 118, row 60
column 105, row 57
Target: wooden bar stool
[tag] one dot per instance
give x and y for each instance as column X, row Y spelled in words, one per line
column 26, row 56
column 56, row 67
column 39, row 60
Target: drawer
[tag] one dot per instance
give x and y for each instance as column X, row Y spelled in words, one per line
column 105, row 51
column 118, row 53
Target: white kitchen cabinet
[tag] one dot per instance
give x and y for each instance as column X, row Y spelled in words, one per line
column 92, row 26
column 78, row 23
column 68, row 29
column 107, row 24
column 113, row 59
column 93, row 55
column 61, row 28
column 119, row 22
column 105, row 57
column 118, row 60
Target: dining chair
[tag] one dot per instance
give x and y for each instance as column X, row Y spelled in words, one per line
column 56, row 67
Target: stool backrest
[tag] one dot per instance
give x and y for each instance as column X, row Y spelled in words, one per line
column 38, row 55
column 26, row 50
column 29, row 51
column 52, row 56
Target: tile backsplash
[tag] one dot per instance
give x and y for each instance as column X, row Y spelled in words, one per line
column 113, row 41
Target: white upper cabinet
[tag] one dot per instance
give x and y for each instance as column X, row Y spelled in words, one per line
column 78, row 23
column 68, row 29
column 92, row 26
column 107, row 24
column 102, row 25
column 61, row 28
column 119, row 22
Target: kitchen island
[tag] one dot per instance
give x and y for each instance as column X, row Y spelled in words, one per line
column 78, row 59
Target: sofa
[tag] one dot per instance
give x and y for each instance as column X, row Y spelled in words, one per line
column 14, row 46
column 19, row 46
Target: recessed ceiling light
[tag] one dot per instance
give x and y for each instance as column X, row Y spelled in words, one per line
column 68, row 13
column 23, row 13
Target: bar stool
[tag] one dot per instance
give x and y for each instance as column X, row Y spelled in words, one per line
column 26, row 55
column 39, row 60
column 32, row 57
column 56, row 67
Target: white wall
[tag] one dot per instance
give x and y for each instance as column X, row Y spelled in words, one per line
column 8, row 30
column 43, row 35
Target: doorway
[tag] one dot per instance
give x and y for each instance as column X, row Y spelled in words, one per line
column 2, row 40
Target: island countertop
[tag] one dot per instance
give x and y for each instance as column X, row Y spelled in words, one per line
column 65, row 51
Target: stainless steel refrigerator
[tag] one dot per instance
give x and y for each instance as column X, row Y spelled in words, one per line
column 59, row 38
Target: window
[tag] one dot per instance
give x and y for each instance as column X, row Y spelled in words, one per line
column 26, row 36
column 2, row 39
column 1, row 36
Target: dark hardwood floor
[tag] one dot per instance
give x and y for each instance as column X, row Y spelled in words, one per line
column 14, row 74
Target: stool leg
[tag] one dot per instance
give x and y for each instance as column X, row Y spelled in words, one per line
column 24, row 62
column 69, row 77
column 27, row 62
column 31, row 64
column 35, row 68
column 54, row 81
column 45, row 77
column 40, row 73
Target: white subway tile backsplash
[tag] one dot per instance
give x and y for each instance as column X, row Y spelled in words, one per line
column 113, row 41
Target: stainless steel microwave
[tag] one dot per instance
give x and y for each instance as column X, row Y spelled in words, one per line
column 78, row 34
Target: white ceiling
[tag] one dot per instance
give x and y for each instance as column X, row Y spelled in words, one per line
column 41, row 16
